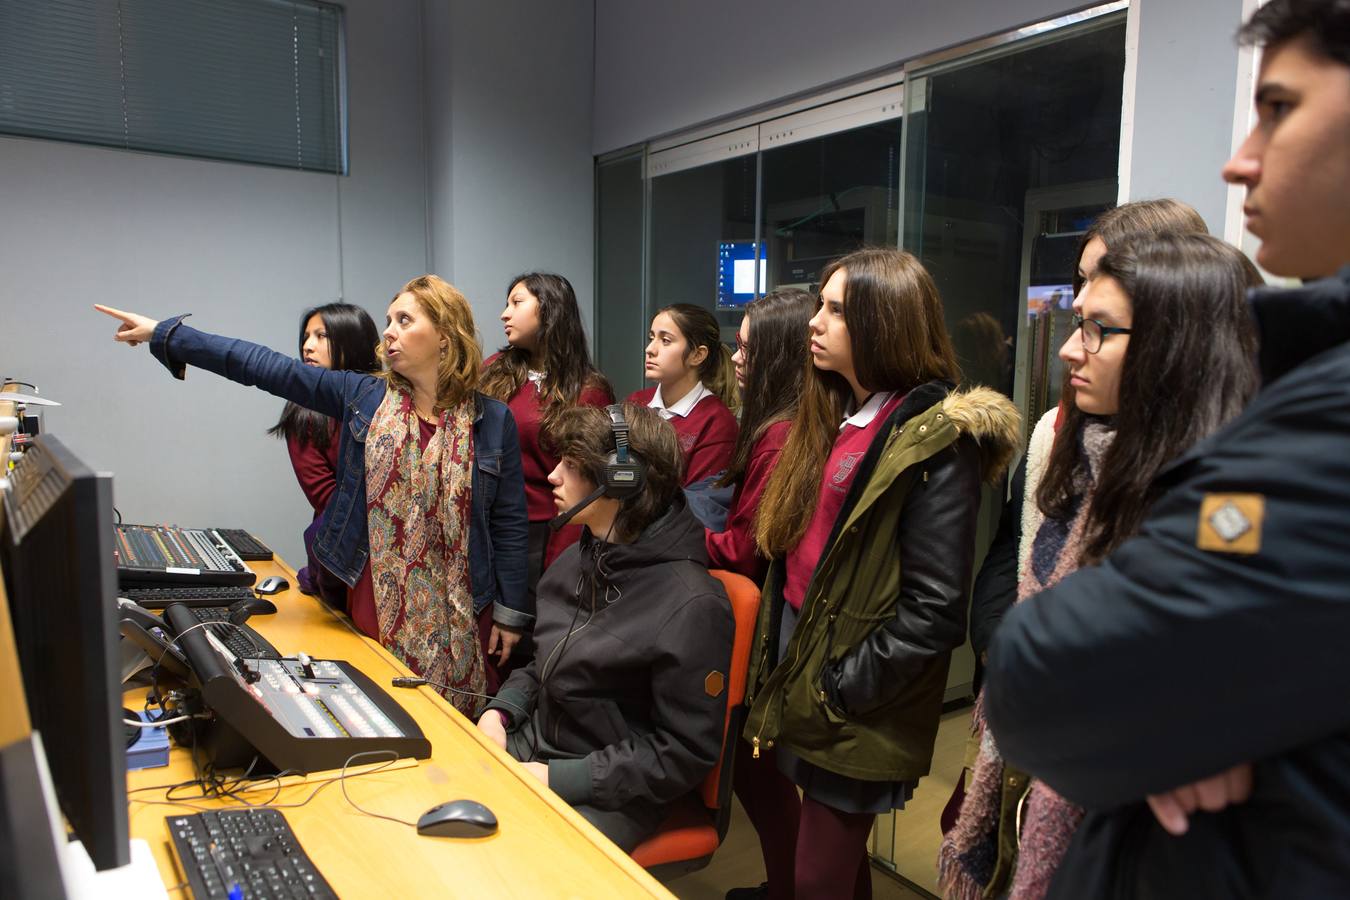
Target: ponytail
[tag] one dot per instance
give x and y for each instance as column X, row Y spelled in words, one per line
column 700, row 329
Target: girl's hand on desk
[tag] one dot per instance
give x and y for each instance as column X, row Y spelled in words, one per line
column 135, row 329
column 538, row 770
column 493, row 724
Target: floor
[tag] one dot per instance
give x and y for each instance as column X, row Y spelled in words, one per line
column 912, row 847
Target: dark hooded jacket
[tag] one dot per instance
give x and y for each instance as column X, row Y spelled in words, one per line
column 626, row 694
column 1217, row 636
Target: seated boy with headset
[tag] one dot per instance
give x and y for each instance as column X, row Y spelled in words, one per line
column 621, row 711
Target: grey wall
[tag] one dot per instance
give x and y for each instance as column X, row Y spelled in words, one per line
column 1184, row 97
column 469, row 137
column 661, row 67
column 511, row 173
column 244, row 248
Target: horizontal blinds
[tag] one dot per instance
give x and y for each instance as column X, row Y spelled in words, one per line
column 247, row 80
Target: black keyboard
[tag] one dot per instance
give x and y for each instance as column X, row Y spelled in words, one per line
column 245, row 545
column 252, row 848
column 241, row 640
column 207, row 595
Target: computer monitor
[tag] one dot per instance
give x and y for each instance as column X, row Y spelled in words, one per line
column 741, row 273
column 57, row 555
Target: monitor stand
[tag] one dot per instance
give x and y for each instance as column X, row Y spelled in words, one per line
column 36, row 860
column 138, row 879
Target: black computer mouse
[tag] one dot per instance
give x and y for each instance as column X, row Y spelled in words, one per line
column 458, row 818
column 271, row 585
column 254, row 606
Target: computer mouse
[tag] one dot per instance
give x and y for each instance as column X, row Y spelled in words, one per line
column 271, row 585
column 458, row 818
column 254, row 606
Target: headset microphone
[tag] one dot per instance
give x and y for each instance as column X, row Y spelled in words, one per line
column 563, row 518
column 623, row 476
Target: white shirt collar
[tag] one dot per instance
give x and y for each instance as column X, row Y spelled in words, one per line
column 863, row 417
column 682, row 408
column 536, row 379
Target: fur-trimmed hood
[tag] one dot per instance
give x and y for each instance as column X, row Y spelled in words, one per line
column 994, row 422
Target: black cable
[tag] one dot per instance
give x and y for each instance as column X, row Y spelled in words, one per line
column 342, row 779
column 404, row 681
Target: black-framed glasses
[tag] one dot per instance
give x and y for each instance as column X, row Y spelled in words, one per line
column 743, row 347
column 1095, row 332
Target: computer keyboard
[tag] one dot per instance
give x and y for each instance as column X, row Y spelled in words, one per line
column 254, row 849
column 244, row 544
column 241, row 640
column 206, row 595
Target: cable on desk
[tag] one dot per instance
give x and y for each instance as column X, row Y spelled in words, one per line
column 405, row 681
column 343, row 779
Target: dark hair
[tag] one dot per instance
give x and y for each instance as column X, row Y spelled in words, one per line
column 1190, row 368
column 774, row 370
column 899, row 340
column 583, row 435
column 1128, row 220
column 352, row 338
column 699, row 328
column 1326, row 23
column 560, row 350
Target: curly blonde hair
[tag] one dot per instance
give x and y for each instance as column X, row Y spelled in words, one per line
column 449, row 312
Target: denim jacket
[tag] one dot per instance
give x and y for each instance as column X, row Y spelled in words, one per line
column 498, row 533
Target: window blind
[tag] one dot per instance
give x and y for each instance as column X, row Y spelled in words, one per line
column 255, row 81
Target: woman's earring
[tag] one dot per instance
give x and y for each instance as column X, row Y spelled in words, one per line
column 443, row 351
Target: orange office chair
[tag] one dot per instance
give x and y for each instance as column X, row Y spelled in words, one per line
column 686, row 840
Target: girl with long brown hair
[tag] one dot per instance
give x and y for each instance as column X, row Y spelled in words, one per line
column 869, row 519
column 543, row 370
column 1163, row 355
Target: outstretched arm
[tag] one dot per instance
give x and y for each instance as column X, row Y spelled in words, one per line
column 176, row 345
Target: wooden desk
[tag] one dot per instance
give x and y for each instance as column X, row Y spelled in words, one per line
column 542, row 848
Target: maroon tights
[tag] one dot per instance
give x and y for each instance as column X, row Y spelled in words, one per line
column 810, row 850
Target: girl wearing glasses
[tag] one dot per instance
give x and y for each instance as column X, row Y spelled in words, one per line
column 869, row 518
column 1162, row 355
column 695, row 387
column 770, row 379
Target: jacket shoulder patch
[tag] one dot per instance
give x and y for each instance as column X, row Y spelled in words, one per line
column 714, row 683
column 1231, row 523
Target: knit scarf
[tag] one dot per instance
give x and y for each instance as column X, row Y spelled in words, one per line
column 418, row 506
column 969, row 866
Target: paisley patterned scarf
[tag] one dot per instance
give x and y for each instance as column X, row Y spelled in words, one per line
column 418, row 510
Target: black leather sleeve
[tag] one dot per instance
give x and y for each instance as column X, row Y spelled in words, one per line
column 996, row 584
column 936, row 545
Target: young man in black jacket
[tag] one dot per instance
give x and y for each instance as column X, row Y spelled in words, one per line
column 1202, row 669
column 623, row 709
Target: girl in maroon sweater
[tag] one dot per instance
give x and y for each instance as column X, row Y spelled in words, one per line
column 695, row 387
column 770, row 361
column 543, row 369
column 333, row 336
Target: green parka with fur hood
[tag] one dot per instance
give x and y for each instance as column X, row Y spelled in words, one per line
column 859, row 688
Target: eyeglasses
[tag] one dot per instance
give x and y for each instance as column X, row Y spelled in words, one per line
column 1095, row 332
column 742, row 347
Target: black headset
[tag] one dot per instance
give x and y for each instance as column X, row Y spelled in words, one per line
column 625, row 473
column 622, row 476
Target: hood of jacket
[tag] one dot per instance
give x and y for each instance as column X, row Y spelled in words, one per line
column 1296, row 324
column 674, row 536
column 993, row 421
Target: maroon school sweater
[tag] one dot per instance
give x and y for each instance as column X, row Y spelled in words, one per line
column 536, row 462
column 734, row 548
column 707, row 435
